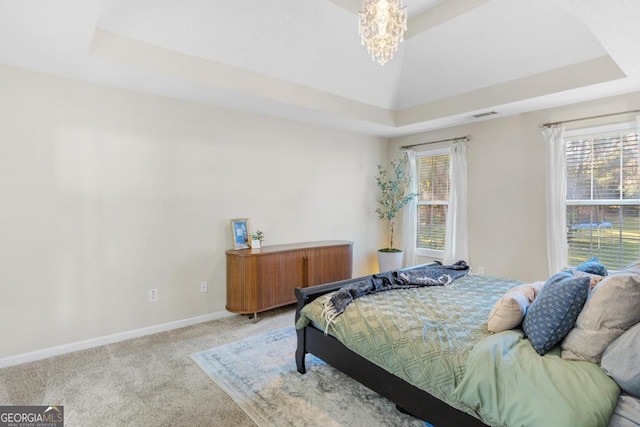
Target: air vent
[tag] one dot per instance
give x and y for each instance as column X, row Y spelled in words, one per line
column 485, row 114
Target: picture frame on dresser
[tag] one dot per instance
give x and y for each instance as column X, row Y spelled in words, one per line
column 240, row 233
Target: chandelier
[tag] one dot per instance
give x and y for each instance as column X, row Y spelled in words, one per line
column 382, row 24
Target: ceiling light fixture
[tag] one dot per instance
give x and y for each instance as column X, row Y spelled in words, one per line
column 382, row 26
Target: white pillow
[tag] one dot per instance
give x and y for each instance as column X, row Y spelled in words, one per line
column 612, row 308
column 509, row 310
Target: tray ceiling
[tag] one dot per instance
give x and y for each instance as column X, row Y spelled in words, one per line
column 303, row 60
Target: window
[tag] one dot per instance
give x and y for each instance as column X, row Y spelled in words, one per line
column 432, row 170
column 603, row 195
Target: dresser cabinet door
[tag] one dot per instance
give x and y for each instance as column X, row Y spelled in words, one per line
column 242, row 284
column 330, row 264
column 277, row 276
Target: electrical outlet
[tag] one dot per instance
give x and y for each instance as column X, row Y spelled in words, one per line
column 153, row 295
column 480, row 270
column 204, row 287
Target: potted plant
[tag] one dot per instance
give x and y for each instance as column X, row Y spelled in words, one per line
column 393, row 186
column 256, row 239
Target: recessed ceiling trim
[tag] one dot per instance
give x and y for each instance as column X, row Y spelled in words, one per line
column 124, row 50
column 116, row 48
column 586, row 73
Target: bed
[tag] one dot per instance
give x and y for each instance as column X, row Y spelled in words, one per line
column 428, row 350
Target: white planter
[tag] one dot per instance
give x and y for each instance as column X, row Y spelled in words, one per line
column 255, row 244
column 389, row 261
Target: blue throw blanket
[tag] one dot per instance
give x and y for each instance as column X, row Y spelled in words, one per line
column 430, row 275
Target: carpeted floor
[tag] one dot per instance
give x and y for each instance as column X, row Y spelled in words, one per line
column 147, row 381
column 260, row 374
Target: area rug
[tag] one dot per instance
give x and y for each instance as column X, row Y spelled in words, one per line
column 259, row 373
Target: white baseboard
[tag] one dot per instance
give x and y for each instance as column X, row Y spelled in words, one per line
column 108, row 339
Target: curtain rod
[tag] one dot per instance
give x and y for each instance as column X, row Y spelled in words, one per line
column 546, row 125
column 460, row 138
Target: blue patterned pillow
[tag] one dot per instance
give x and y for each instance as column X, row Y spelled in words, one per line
column 555, row 309
column 593, row 266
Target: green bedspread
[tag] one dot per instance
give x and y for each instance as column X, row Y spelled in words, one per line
column 432, row 336
column 422, row 335
column 549, row 391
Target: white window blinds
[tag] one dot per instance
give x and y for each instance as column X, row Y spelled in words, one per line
column 432, row 201
column 603, row 197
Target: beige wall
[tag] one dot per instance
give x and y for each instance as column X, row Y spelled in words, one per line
column 506, row 161
column 108, row 193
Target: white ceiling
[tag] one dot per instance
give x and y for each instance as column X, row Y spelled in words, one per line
column 302, row 59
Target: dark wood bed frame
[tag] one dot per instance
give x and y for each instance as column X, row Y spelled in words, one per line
column 407, row 397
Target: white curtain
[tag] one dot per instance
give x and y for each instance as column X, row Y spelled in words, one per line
column 409, row 225
column 556, row 192
column 456, row 243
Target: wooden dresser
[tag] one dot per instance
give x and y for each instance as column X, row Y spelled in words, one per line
column 262, row 279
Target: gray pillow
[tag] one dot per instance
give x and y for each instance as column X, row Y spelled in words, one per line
column 620, row 361
column 612, row 308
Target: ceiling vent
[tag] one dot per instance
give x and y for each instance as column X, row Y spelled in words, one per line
column 485, row 114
